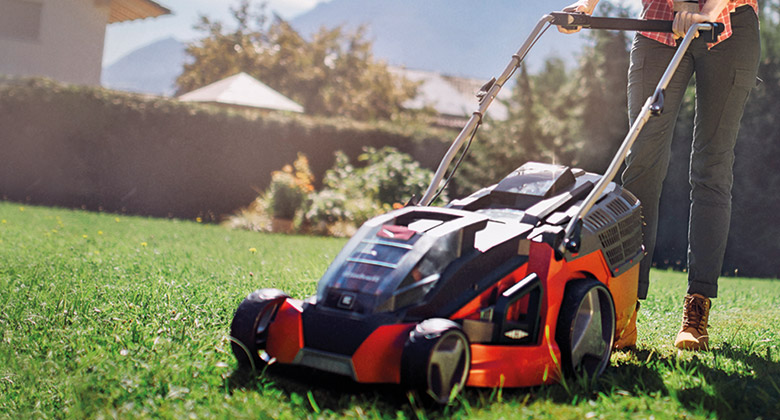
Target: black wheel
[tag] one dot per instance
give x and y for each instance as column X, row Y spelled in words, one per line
column 249, row 329
column 436, row 359
column 586, row 328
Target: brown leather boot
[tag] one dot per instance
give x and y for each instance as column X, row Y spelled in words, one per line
column 693, row 333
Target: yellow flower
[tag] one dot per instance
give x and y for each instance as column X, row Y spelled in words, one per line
column 253, row 250
column 4, row 221
column 84, row 236
column 198, row 219
column 100, row 232
column 116, row 219
column 21, row 208
column 143, row 244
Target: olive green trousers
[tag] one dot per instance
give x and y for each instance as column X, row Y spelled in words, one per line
column 725, row 74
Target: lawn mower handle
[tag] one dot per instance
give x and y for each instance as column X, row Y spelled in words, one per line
column 492, row 88
column 572, row 20
column 486, row 97
column 653, row 107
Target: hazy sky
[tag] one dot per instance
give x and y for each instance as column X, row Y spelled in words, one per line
column 122, row 38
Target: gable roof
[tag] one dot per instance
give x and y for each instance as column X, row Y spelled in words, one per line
column 243, row 90
column 449, row 96
column 124, row 10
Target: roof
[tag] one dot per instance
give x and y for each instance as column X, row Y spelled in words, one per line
column 124, row 10
column 448, row 95
column 243, row 90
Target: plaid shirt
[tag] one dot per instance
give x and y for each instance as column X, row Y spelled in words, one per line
column 662, row 10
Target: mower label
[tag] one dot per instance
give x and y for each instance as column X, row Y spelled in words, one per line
column 347, row 300
column 516, row 334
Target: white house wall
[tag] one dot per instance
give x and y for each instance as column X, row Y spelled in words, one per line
column 69, row 47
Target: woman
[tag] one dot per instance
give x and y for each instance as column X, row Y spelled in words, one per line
column 725, row 73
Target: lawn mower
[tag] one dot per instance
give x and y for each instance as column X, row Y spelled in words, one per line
column 515, row 285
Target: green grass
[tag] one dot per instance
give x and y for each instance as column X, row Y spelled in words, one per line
column 106, row 316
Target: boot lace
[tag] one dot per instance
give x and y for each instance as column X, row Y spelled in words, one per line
column 695, row 314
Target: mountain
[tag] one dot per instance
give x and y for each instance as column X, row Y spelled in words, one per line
column 463, row 38
column 149, row 69
column 457, row 37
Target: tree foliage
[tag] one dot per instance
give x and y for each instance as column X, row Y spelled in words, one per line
column 332, row 74
column 573, row 117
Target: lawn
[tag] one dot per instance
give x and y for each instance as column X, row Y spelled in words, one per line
column 106, row 316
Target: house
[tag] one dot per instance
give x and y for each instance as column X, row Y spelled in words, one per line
column 452, row 98
column 63, row 39
column 242, row 90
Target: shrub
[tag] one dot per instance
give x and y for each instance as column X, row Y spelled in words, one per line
column 387, row 179
column 350, row 195
column 289, row 188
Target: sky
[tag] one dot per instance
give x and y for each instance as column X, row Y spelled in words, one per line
column 123, row 38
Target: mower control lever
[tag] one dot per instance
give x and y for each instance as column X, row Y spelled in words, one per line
column 483, row 91
column 657, row 106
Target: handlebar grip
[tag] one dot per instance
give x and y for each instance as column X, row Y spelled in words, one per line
column 626, row 24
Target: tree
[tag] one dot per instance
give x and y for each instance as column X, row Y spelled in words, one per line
column 332, row 74
column 600, row 94
column 502, row 146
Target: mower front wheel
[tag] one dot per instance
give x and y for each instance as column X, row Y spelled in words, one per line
column 436, row 359
column 249, row 329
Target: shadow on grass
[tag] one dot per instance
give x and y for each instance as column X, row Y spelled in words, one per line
column 756, row 393
column 708, row 385
column 712, row 389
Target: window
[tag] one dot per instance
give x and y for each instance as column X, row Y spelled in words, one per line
column 20, row 19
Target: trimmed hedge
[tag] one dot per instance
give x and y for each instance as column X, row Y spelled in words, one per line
column 77, row 146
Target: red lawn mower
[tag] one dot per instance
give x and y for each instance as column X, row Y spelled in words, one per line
column 513, row 286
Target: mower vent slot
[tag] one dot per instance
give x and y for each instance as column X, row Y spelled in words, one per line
column 615, row 255
column 630, row 199
column 618, row 227
column 598, row 219
column 610, row 237
column 618, row 207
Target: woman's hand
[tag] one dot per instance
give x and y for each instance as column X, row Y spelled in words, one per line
column 582, row 6
column 709, row 13
column 684, row 20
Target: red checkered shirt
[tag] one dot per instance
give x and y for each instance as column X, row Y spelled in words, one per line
column 663, row 10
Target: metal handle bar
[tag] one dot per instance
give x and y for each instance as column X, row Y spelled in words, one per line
column 484, row 103
column 653, row 106
column 572, row 237
column 710, row 33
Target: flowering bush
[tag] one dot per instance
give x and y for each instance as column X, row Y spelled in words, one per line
column 289, row 188
column 385, row 180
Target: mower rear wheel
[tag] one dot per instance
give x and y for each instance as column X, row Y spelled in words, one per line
column 586, row 328
column 249, row 329
column 436, row 359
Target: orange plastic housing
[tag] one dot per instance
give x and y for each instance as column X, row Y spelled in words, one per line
column 378, row 358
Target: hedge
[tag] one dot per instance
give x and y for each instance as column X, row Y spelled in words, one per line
column 77, row 146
